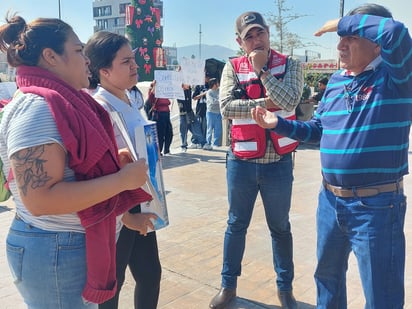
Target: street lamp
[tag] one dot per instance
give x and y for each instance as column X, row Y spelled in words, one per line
column 342, row 7
column 60, row 15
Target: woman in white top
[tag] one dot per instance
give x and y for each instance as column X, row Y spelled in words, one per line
column 112, row 62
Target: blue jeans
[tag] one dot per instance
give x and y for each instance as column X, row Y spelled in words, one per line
column 371, row 227
column 49, row 268
column 202, row 125
column 274, row 182
column 214, row 127
column 194, row 128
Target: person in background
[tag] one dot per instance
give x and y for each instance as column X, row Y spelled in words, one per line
column 136, row 96
column 255, row 163
column 113, row 64
column 199, row 94
column 67, row 183
column 322, row 83
column 93, row 85
column 188, row 120
column 363, row 125
column 161, row 114
column 213, row 116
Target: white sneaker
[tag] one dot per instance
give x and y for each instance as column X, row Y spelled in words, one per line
column 207, row 147
column 194, row 146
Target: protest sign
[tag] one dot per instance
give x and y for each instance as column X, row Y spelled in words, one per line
column 193, row 71
column 168, row 84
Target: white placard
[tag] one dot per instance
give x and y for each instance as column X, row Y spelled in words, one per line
column 168, row 84
column 193, row 71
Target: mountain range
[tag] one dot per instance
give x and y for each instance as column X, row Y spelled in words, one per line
column 207, row 51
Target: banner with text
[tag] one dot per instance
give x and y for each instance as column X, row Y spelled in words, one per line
column 168, row 84
column 193, row 71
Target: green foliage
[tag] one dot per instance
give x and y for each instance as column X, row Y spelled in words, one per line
column 144, row 33
column 311, row 79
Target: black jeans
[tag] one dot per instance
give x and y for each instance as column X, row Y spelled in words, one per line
column 142, row 256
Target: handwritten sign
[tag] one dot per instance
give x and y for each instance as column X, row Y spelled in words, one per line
column 193, row 71
column 168, row 84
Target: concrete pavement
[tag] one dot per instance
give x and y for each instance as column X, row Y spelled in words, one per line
column 191, row 247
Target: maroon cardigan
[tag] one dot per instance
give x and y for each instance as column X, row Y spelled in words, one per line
column 88, row 136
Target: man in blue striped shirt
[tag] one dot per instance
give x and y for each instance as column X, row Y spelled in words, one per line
column 363, row 124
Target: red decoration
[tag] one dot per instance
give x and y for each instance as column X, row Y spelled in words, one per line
column 147, row 68
column 139, row 22
column 159, row 57
column 142, row 51
column 129, row 14
column 156, row 13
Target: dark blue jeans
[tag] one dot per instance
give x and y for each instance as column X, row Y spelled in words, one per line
column 194, row 128
column 274, row 183
column 371, row 227
column 203, row 127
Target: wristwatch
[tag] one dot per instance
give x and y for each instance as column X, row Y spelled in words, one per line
column 262, row 71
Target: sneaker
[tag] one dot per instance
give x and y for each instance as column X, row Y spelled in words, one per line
column 193, row 146
column 207, row 147
column 183, row 149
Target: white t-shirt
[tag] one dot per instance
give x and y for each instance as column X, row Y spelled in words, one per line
column 132, row 116
column 28, row 122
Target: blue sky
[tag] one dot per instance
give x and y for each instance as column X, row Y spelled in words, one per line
column 216, row 17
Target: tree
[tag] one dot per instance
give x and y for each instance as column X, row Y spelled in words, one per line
column 143, row 29
column 284, row 40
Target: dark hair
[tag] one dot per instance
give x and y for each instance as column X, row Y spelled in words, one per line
column 371, row 9
column 323, row 81
column 24, row 43
column 101, row 49
column 213, row 81
column 93, row 83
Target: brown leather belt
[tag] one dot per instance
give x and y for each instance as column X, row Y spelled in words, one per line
column 364, row 191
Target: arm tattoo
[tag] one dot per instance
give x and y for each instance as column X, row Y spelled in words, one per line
column 29, row 167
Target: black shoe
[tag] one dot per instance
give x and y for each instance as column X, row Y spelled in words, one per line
column 287, row 300
column 223, row 298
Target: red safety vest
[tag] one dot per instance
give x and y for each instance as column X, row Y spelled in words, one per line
column 248, row 138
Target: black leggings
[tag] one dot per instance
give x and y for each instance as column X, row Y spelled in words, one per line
column 142, row 256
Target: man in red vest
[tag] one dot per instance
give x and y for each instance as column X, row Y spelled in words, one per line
column 258, row 161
